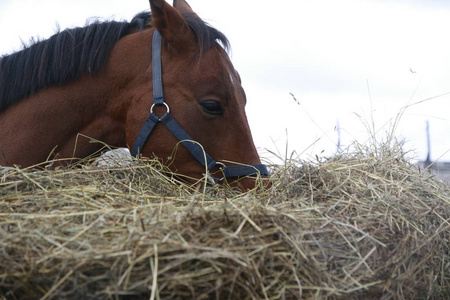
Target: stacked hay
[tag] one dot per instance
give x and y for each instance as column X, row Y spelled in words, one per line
column 363, row 225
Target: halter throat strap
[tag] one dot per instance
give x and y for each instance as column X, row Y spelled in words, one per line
column 192, row 146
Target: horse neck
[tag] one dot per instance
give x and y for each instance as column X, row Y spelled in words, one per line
column 63, row 119
column 108, row 96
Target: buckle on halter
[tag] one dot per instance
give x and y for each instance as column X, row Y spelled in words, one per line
column 221, row 169
column 159, row 104
column 213, row 179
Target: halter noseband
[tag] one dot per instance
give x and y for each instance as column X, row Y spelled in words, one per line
column 193, row 147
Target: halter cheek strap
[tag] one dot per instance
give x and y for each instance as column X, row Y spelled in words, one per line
column 193, row 147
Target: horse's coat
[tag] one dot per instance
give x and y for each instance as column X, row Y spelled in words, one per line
column 96, row 82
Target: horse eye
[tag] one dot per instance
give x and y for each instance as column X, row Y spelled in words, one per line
column 212, row 107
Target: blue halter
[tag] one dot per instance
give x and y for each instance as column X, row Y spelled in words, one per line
column 193, row 147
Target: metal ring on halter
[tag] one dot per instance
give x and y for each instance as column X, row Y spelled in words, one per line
column 159, row 104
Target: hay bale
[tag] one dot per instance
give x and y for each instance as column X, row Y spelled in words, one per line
column 364, row 225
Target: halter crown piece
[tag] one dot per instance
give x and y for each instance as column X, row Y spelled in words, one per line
column 193, row 147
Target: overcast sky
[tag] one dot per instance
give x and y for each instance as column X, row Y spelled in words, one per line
column 355, row 62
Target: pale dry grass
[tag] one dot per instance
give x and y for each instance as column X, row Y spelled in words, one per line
column 361, row 225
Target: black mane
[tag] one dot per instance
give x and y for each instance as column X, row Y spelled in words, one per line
column 68, row 54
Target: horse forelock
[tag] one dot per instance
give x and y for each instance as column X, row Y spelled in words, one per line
column 68, row 54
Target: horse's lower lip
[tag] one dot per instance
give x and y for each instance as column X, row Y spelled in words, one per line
column 244, row 184
column 250, row 183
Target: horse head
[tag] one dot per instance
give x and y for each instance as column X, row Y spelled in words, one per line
column 100, row 82
column 204, row 94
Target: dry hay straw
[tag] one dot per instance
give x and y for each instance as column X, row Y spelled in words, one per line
column 360, row 225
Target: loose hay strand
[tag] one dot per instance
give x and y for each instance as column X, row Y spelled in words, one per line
column 58, row 284
column 154, row 267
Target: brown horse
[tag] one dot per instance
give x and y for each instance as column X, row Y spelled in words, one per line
column 97, row 82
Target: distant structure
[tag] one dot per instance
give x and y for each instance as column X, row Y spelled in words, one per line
column 428, row 161
column 440, row 169
column 338, row 130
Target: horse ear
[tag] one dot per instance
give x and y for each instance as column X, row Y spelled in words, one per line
column 169, row 22
column 184, row 8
